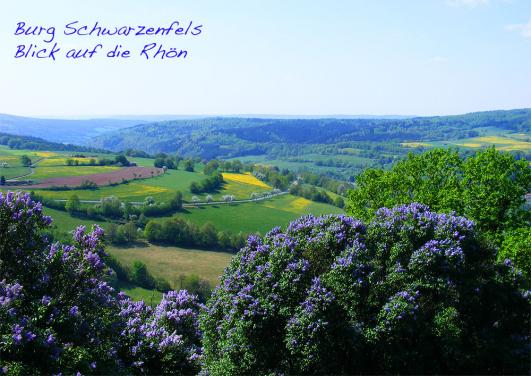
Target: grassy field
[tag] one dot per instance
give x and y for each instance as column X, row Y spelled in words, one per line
column 170, row 262
column 13, row 171
column 490, row 136
column 45, row 172
column 161, row 187
column 177, row 180
column 501, row 143
column 48, row 164
column 133, row 191
column 246, row 217
column 5, row 150
column 62, row 161
column 13, row 167
column 144, row 162
column 67, row 223
column 257, row 216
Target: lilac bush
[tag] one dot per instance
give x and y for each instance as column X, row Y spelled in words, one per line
column 59, row 315
column 410, row 292
column 163, row 340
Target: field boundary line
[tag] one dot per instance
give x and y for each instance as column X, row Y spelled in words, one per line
column 191, row 205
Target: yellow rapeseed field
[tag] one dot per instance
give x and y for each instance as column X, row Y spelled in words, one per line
column 501, row 143
column 295, row 204
column 61, row 161
column 471, row 145
column 45, row 154
column 147, row 190
column 299, row 204
column 246, row 178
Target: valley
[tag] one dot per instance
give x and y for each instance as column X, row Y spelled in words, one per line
column 255, row 206
column 272, row 174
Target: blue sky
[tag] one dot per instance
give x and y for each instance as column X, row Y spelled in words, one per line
column 421, row 57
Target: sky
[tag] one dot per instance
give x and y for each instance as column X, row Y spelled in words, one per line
column 296, row 57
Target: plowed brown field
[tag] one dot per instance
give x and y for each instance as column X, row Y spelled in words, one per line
column 107, row 178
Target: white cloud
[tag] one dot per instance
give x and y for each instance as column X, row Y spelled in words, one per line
column 466, row 3
column 523, row 29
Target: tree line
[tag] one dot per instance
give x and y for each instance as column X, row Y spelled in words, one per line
column 179, row 232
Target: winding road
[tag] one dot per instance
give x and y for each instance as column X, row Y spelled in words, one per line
column 191, row 205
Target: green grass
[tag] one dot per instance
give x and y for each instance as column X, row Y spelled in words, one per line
column 177, row 180
column 170, row 262
column 13, row 172
column 257, row 216
column 65, row 222
column 61, row 160
column 151, row 297
column 246, row 217
column 14, row 167
column 45, row 172
column 132, row 191
column 161, row 188
column 144, row 162
column 5, row 150
column 490, row 136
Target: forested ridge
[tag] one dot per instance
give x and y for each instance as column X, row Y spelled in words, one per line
column 233, row 137
column 36, row 143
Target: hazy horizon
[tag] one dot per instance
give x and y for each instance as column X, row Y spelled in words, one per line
column 264, row 116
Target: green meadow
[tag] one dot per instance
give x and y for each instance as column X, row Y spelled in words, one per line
column 171, row 262
column 41, row 172
column 66, row 223
column 259, row 216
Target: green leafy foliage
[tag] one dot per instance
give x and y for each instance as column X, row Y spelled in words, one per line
column 25, row 161
column 73, row 204
column 210, row 185
column 488, row 188
column 179, row 232
column 35, row 143
column 516, row 246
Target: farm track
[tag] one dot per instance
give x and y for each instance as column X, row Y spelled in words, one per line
column 190, row 205
column 32, row 171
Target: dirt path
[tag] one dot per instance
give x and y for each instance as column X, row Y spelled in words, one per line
column 32, row 171
column 190, row 205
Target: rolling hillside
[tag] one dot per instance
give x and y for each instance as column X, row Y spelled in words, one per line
column 233, row 137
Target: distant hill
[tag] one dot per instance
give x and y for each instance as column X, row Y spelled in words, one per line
column 82, row 131
column 60, row 130
column 35, row 143
column 236, row 137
